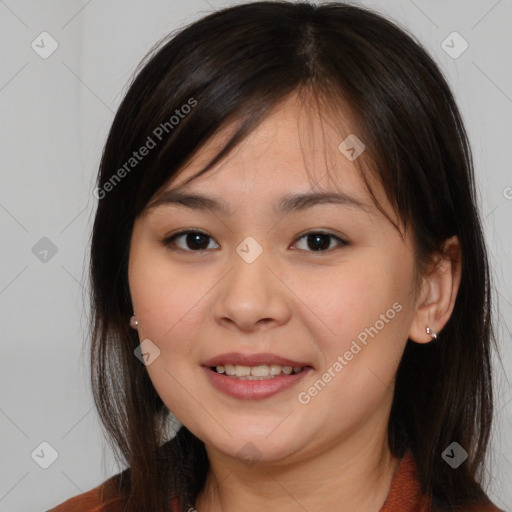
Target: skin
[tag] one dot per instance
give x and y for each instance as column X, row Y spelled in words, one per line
column 331, row 453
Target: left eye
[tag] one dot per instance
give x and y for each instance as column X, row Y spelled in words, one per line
column 320, row 242
column 195, row 241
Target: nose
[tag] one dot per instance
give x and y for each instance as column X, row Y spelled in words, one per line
column 252, row 296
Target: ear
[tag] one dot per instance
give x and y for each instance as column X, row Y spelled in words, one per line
column 439, row 287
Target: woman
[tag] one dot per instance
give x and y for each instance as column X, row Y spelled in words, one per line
column 288, row 259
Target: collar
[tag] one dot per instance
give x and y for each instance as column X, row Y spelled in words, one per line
column 405, row 494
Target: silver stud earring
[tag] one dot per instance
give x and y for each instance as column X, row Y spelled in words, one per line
column 431, row 333
column 133, row 322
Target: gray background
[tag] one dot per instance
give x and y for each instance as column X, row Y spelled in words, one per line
column 54, row 118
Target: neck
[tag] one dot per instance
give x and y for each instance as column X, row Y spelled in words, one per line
column 355, row 474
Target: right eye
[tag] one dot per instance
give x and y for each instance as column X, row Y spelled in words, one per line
column 192, row 241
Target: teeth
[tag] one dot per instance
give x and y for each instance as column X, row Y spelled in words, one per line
column 261, row 371
column 242, row 371
column 274, row 369
column 230, row 369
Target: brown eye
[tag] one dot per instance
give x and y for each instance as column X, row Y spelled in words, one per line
column 192, row 241
column 320, row 242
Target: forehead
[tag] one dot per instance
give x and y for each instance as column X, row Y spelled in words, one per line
column 295, row 149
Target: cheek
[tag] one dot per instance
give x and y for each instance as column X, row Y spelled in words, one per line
column 353, row 297
column 364, row 312
column 167, row 302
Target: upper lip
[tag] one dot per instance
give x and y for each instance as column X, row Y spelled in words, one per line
column 235, row 358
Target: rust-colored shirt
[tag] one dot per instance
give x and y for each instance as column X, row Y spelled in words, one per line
column 404, row 496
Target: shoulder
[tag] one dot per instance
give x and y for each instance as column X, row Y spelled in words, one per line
column 95, row 500
column 406, row 494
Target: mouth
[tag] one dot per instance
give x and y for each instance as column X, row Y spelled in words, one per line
column 254, row 376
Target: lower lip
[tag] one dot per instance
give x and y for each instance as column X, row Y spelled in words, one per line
column 253, row 389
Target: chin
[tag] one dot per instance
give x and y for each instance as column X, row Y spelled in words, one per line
column 252, row 447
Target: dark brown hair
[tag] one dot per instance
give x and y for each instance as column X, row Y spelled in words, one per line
column 238, row 64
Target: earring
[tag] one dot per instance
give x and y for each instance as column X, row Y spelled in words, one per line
column 431, row 332
column 133, row 322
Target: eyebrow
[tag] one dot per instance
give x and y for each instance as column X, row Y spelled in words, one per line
column 287, row 204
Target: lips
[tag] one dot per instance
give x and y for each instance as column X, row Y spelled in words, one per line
column 254, row 376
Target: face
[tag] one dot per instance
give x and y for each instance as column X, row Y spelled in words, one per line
column 308, row 302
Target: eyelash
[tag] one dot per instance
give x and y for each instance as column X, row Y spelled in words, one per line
column 170, row 239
